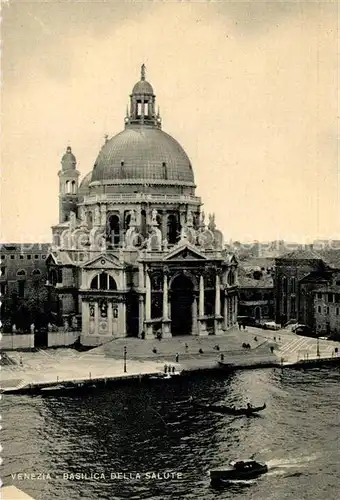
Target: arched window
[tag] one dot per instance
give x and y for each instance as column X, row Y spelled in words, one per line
column 173, row 229
column 127, row 220
column 113, row 230
column 36, row 272
column 67, row 187
column 293, row 285
column 73, row 188
column 21, row 273
column 103, row 281
column 165, row 171
column 143, row 223
column 53, row 277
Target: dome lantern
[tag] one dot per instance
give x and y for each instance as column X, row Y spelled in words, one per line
column 142, row 104
column 68, row 160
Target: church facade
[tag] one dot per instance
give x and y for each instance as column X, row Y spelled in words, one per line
column 133, row 254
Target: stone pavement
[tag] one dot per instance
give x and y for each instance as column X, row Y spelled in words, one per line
column 230, row 341
column 67, row 365
column 294, row 347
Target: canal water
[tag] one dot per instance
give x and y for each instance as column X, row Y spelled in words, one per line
column 154, row 430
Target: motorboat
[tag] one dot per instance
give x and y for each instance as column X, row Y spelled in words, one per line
column 240, row 469
column 231, row 410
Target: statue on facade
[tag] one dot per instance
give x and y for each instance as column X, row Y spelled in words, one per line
column 32, row 328
column 183, row 235
column 97, row 215
column 133, row 219
column 154, row 241
column 49, row 327
column 202, row 223
column 165, row 245
column 190, row 219
column 14, row 328
column 212, row 225
column 73, row 220
column 74, row 323
column 131, row 233
column 154, row 217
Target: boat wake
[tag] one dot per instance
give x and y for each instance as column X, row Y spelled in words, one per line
column 281, row 466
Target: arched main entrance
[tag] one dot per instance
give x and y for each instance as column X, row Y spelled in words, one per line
column 182, row 297
column 258, row 313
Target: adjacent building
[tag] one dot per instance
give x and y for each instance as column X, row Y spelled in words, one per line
column 133, row 253
column 298, row 277
column 327, row 308
column 21, row 265
column 256, row 296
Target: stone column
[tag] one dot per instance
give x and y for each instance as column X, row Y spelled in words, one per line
column 96, row 318
column 141, row 315
column 85, row 318
column 165, row 297
column 225, row 312
column 217, row 322
column 166, row 323
column 141, row 283
column 110, row 318
column 122, row 319
column 202, row 328
column 123, row 279
column 164, row 227
column 194, row 330
column 217, row 296
column 148, row 325
column 147, row 297
column 201, row 298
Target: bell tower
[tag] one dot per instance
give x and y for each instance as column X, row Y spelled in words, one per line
column 68, row 185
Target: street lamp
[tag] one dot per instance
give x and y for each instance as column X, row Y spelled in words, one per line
column 125, row 359
column 317, row 347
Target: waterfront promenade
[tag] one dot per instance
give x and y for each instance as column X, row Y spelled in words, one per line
column 46, row 367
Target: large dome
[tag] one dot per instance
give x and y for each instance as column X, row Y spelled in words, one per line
column 141, row 154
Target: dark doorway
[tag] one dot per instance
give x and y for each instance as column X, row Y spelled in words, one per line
column 182, row 297
column 41, row 337
column 258, row 313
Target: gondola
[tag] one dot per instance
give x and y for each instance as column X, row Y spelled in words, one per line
column 229, row 410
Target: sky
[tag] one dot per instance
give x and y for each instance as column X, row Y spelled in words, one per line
column 250, row 90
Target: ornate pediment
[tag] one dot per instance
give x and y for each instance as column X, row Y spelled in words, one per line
column 102, row 262
column 186, row 252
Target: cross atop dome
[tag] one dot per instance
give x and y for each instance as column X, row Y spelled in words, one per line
column 142, row 72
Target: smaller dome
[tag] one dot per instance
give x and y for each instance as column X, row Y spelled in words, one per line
column 84, row 185
column 68, row 160
column 143, row 87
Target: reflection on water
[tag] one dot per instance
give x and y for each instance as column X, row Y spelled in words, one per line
column 145, row 429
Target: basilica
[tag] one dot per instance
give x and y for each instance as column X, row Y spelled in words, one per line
column 133, row 253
